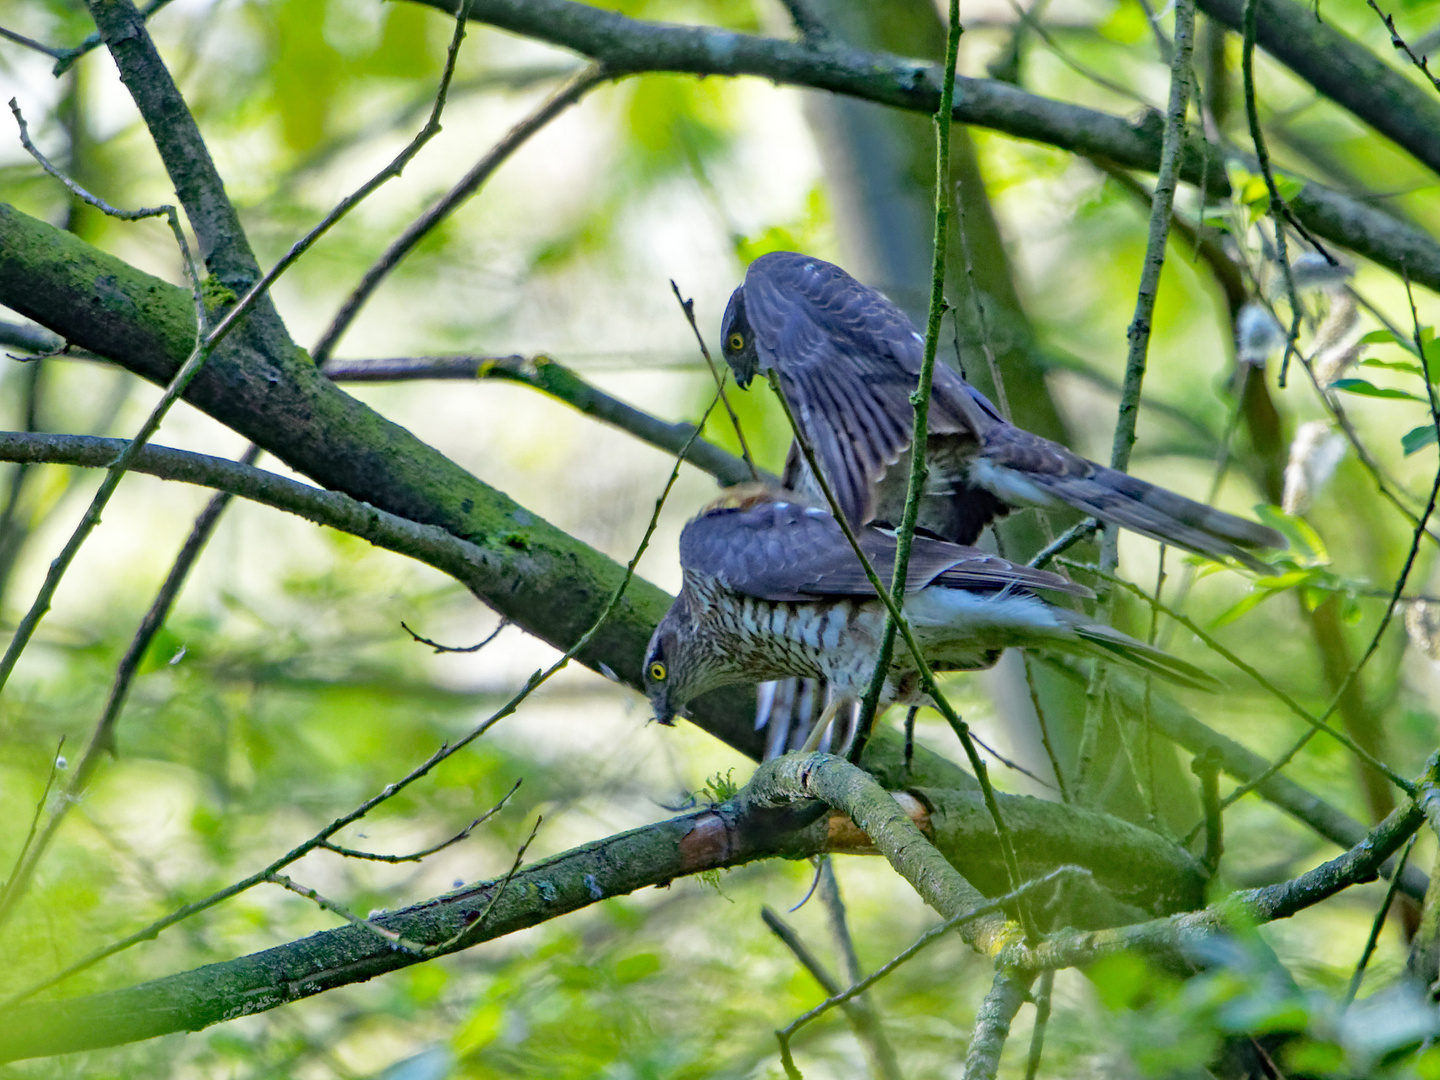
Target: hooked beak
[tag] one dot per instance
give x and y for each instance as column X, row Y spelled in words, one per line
column 664, row 712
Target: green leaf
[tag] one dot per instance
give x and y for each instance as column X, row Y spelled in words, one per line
column 1393, row 365
column 637, row 967
column 1416, row 439
column 1244, row 605
column 1365, row 389
column 1288, row 186
column 1126, row 25
column 1304, row 540
column 1379, row 337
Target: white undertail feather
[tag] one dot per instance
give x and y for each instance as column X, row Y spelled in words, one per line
column 1107, row 643
column 969, row 621
column 1009, row 485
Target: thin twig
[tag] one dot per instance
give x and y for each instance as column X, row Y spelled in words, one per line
column 562, row 99
column 1044, row 726
column 439, row 648
column 1279, row 212
column 1398, row 42
column 31, row 43
column 1138, row 335
column 806, row 959
column 326, row 904
column 56, row 764
column 919, row 468
column 812, row 28
column 997, row 380
column 688, row 307
column 56, row 571
column 1084, row 71
column 65, row 58
column 1081, row 530
column 165, row 210
column 1377, row 925
column 1014, row 766
column 1042, row 1020
column 425, row 853
column 474, row 928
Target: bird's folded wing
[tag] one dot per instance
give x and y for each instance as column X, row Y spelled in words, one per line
column 777, row 549
column 848, row 360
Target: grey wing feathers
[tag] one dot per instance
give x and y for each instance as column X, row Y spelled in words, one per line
column 848, row 359
column 1122, row 499
column 772, row 548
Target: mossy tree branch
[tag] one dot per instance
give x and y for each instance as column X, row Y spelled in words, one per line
column 727, row 835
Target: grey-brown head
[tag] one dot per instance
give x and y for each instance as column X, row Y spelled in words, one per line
column 737, row 340
column 681, row 663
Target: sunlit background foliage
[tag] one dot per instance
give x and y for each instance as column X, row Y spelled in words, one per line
column 284, row 690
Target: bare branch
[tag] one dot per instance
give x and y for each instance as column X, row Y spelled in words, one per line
column 439, row 648
column 324, row 904
column 425, row 853
column 560, row 382
column 1398, row 42
column 30, row 43
column 992, row 1023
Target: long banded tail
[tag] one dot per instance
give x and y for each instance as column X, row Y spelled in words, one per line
column 1107, row 643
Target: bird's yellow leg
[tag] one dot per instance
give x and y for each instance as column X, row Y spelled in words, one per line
column 826, row 718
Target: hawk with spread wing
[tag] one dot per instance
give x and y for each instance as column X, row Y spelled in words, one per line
column 847, row 360
column 772, row 588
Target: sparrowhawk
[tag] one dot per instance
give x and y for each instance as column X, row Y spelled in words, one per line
column 772, row 588
column 847, row 360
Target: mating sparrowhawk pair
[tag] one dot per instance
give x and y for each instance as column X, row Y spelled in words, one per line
column 771, row 585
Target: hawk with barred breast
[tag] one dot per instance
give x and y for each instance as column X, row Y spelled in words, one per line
column 772, row 588
column 847, row 360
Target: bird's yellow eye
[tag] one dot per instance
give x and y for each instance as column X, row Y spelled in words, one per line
column 735, row 342
column 657, row 671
